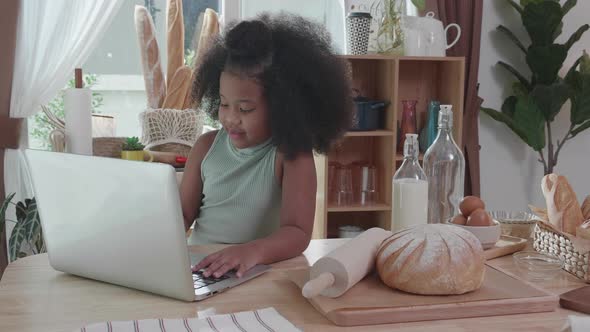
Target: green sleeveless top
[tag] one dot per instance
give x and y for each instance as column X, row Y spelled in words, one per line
column 242, row 198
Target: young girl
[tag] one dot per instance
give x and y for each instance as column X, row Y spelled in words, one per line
column 280, row 93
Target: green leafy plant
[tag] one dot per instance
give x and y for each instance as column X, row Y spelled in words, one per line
column 535, row 102
column 133, row 144
column 42, row 127
column 189, row 57
column 27, row 234
column 420, row 4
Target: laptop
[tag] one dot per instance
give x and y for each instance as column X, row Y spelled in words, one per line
column 120, row 222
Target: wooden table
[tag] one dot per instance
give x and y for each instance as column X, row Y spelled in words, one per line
column 34, row 297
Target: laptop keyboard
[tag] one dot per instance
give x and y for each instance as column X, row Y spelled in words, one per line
column 201, row 281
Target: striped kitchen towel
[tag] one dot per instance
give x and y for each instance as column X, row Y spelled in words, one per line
column 263, row 320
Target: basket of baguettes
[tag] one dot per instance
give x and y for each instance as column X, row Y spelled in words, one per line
column 171, row 121
column 564, row 226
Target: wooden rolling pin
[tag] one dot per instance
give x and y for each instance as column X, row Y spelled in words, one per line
column 338, row 271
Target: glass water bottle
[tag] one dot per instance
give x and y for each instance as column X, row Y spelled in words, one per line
column 444, row 166
column 410, row 189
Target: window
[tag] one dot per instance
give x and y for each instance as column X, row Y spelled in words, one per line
column 113, row 71
column 330, row 13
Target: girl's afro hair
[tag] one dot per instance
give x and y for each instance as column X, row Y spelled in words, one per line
column 307, row 87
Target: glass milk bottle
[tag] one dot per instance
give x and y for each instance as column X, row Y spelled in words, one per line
column 444, row 166
column 410, row 189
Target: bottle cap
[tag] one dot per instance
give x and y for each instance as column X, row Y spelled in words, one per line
column 445, row 116
column 411, row 146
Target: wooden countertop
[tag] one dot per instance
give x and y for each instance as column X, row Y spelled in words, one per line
column 34, row 297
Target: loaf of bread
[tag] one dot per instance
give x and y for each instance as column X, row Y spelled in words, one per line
column 188, row 100
column 175, row 38
column 586, row 208
column 563, row 209
column 433, row 259
column 208, row 30
column 178, row 88
column 583, row 230
column 155, row 86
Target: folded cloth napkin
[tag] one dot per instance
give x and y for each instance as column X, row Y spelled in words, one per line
column 264, row 320
column 576, row 324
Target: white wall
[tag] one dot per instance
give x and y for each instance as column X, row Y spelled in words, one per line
column 510, row 173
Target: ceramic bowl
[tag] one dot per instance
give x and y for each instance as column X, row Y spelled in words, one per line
column 519, row 224
column 487, row 235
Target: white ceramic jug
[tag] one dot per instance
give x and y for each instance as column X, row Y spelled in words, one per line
column 425, row 36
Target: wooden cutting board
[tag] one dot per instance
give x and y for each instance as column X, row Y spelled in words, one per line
column 577, row 299
column 371, row 302
column 505, row 246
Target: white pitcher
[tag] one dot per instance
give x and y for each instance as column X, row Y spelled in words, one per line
column 425, row 36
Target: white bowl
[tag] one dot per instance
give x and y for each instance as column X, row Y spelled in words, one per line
column 487, row 235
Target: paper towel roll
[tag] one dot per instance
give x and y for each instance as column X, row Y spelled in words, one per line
column 78, row 115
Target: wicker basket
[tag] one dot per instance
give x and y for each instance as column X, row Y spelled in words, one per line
column 108, row 146
column 177, row 148
column 171, row 130
column 548, row 242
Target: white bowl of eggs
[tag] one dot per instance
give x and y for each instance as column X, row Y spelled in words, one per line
column 478, row 221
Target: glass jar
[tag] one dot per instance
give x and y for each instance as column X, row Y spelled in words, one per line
column 389, row 38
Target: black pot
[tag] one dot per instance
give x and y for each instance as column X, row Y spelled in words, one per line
column 368, row 114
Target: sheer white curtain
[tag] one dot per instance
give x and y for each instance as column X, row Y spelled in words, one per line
column 53, row 38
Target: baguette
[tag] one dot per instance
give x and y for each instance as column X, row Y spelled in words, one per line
column 175, row 38
column 178, row 88
column 586, row 208
column 563, row 208
column 540, row 213
column 153, row 76
column 583, row 230
column 209, row 31
column 188, row 100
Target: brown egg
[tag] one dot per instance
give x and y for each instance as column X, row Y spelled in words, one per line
column 469, row 204
column 459, row 220
column 479, row 217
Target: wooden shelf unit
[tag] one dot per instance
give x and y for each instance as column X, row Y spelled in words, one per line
column 393, row 79
column 359, row 207
column 369, row 133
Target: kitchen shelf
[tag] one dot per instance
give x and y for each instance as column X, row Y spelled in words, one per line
column 359, row 208
column 392, row 79
column 369, row 133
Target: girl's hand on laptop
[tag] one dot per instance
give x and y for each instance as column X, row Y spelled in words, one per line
column 241, row 258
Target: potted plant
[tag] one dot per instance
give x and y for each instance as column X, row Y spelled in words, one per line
column 133, row 150
column 536, row 101
column 27, row 235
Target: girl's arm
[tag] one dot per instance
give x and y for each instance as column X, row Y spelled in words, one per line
column 297, row 216
column 191, row 186
column 299, row 187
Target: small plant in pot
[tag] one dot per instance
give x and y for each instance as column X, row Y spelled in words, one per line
column 133, row 150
